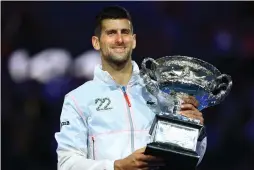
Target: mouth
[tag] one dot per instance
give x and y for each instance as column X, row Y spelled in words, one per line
column 119, row 49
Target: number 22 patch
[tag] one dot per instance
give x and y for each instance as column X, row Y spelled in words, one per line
column 103, row 104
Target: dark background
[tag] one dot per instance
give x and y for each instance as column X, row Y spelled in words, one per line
column 221, row 33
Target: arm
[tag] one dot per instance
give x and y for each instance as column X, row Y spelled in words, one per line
column 201, row 148
column 189, row 109
column 72, row 141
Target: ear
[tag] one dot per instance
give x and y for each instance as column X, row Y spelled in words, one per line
column 96, row 43
column 134, row 41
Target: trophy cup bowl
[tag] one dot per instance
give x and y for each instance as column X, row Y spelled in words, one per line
column 170, row 79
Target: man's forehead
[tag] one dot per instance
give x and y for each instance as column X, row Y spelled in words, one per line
column 108, row 24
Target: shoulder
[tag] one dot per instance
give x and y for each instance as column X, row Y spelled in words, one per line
column 81, row 96
column 86, row 91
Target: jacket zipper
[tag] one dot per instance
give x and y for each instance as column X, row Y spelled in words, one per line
column 129, row 115
column 93, row 148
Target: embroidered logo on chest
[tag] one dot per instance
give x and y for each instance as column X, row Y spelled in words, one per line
column 103, row 104
column 150, row 102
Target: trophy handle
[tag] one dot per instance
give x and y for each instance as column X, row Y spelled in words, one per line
column 222, row 86
column 149, row 71
column 149, row 77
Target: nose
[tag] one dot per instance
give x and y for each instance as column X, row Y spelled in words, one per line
column 119, row 38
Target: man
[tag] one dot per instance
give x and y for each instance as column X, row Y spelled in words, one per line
column 105, row 122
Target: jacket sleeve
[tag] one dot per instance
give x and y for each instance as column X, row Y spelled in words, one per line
column 72, row 150
column 201, row 149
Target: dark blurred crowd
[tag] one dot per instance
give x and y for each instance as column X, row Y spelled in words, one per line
column 221, row 33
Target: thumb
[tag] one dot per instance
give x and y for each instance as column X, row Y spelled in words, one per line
column 141, row 150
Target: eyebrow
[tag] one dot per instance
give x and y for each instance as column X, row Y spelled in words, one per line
column 114, row 30
column 110, row 30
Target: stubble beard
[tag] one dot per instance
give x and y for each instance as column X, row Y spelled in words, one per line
column 119, row 60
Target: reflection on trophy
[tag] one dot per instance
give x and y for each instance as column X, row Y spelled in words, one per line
column 170, row 79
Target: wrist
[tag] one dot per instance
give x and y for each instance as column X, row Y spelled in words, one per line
column 117, row 165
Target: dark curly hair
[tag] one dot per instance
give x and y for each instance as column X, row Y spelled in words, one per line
column 111, row 12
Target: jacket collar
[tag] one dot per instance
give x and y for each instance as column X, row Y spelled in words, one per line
column 105, row 77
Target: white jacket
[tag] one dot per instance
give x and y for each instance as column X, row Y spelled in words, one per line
column 102, row 122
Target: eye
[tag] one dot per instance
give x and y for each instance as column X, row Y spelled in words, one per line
column 111, row 32
column 126, row 31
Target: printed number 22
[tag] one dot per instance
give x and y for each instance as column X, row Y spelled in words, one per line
column 103, row 106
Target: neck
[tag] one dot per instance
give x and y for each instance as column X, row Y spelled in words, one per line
column 121, row 73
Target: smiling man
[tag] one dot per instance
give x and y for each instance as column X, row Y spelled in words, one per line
column 109, row 118
column 115, row 40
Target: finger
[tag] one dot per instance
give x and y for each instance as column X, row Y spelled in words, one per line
column 146, row 168
column 190, row 100
column 141, row 150
column 143, row 165
column 187, row 107
column 191, row 110
column 149, row 158
column 150, row 164
column 191, row 113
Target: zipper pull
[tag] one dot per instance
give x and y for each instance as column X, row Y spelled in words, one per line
column 126, row 96
column 93, row 148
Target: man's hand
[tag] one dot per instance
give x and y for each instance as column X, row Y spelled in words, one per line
column 189, row 109
column 138, row 161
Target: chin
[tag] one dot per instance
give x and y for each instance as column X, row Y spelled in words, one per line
column 119, row 60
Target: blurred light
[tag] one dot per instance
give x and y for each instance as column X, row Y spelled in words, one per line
column 18, row 65
column 249, row 130
column 248, row 45
column 249, row 127
column 223, row 40
column 85, row 63
column 56, row 88
column 49, row 64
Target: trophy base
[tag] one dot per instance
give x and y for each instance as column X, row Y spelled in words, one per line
column 179, row 153
column 177, row 158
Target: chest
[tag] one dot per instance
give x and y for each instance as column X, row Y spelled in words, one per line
column 114, row 110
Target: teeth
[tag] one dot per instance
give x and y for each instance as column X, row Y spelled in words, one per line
column 120, row 49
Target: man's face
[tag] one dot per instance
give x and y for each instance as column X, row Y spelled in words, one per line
column 117, row 40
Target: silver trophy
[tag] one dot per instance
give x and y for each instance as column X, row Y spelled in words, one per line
column 170, row 79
